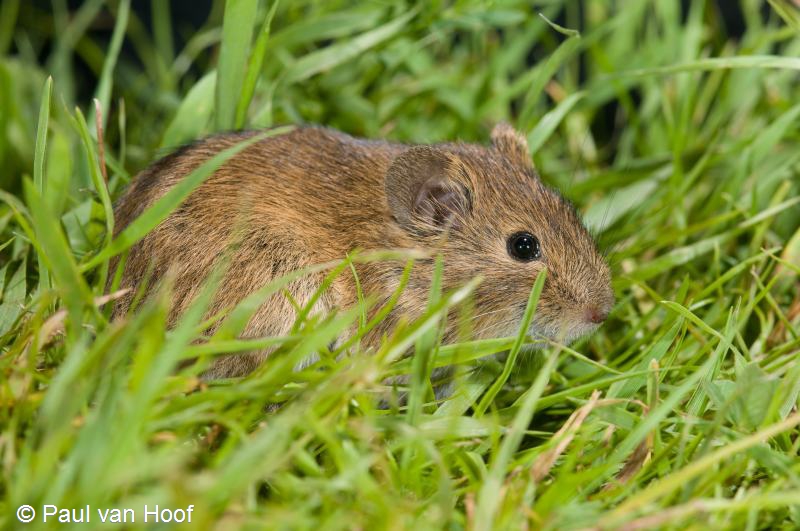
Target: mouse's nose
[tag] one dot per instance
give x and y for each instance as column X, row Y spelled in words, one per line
column 594, row 314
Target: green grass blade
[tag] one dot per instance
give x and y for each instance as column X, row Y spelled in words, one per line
column 711, row 64
column 788, row 12
column 489, row 495
column 332, row 56
column 424, row 351
column 237, row 30
column 40, row 155
column 511, row 361
column 90, row 148
column 542, row 76
column 162, row 30
column 429, row 321
column 193, row 116
column 55, row 253
column 627, row 388
column 104, row 85
column 254, row 66
column 545, row 127
column 39, row 158
column 8, row 17
column 14, row 294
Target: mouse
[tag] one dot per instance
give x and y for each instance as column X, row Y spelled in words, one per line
column 313, row 195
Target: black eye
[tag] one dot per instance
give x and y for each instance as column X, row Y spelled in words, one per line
column 524, row 246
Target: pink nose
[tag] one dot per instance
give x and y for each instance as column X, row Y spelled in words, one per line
column 593, row 314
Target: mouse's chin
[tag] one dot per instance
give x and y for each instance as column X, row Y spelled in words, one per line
column 563, row 333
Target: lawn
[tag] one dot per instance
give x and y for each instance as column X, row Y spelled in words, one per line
column 674, row 128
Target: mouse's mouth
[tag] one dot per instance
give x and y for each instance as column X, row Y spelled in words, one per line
column 563, row 331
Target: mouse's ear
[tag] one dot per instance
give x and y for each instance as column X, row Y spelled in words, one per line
column 511, row 143
column 422, row 192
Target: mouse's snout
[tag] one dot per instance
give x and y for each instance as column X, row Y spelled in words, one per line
column 583, row 314
column 595, row 314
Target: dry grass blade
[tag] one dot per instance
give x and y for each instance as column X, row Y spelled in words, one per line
column 544, row 463
column 54, row 325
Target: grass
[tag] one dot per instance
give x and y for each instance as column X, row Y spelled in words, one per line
column 675, row 137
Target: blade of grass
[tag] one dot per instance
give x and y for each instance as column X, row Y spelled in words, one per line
column 544, row 73
column 489, row 496
column 550, row 121
column 393, row 350
column 8, row 18
column 685, row 312
column 678, row 479
column 103, row 92
column 697, row 401
column 423, row 353
column 57, row 256
column 193, row 116
column 99, row 183
column 420, row 379
column 627, row 388
column 710, row 64
column 39, row 158
column 254, row 66
column 237, row 31
column 511, row 361
column 66, row 39
column 162, row 30
column 332, row 56
column 787, row 12
column 14, row 294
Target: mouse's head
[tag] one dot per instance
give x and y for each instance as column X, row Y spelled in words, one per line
column 489, row 213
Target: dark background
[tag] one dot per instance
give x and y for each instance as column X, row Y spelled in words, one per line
column 189, row 16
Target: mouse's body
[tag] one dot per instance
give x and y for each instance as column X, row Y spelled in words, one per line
column 313, row 195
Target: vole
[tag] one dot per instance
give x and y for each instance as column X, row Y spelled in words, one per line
column 314, row 194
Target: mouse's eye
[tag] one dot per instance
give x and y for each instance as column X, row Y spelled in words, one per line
column 524, row 246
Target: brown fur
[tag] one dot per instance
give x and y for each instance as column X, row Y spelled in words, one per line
column 312, row 195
